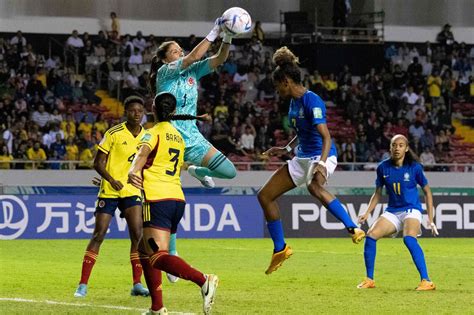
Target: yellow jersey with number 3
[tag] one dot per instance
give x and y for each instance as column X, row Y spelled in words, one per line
column 161, row 172
column 121, row 147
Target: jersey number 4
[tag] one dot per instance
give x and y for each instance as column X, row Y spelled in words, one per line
column 131, row 157
column 174, row 153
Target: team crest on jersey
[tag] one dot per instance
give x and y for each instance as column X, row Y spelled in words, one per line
column 101, row 204
column 406, row 177
column 301, row 113
column 190, row 81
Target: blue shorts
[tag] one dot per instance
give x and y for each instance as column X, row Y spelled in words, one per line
column 109, row 205
column 196, row 152
column 163, row 215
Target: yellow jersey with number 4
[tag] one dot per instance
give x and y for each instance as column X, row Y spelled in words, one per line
column 121, row 147
column 161, row 172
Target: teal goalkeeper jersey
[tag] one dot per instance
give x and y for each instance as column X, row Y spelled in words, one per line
column 183, row 84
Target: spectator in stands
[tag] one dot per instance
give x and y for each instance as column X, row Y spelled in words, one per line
column 415, row 67
column 348, row 156
column 5, row 158
column 57, row 148
column 74, row 41
column 86, row 156
column 18, row 40
column 442, row 139
column 83, row 113
column 247, row 140
column 41, row 117
column 416, row 130
column 36, row 153
column 390, row 51
column 115, row 23
column 89, row 87
column 136, row 58
column 427, row 159
column 99, row 50
column 8, row 137
column 362, row 148
column 427, row 140
column 446, row 37
column 410, row 97
column 72, row 151
column 434, row 87
column 441, row 156
column 139, row 42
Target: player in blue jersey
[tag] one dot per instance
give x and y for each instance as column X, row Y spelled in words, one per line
column 315, row 160
column 400, row 174
column 178, row 74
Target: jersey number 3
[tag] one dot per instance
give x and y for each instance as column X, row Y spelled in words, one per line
column 174, row 153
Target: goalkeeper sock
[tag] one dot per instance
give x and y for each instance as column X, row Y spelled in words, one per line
column 275, row 228
column 417, row 256
column 370, row 249
column 172, row 244
column 218, row 166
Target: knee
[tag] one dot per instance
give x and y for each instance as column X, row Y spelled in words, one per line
column 263, row 197
column 408, row 240
column 315, row 189
column 98, row 236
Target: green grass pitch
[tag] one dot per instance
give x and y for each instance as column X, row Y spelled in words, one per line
column 320, row 278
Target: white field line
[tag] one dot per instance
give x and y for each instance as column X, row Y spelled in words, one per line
column 113, row 307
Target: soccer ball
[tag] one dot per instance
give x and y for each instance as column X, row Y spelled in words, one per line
column 236, row 21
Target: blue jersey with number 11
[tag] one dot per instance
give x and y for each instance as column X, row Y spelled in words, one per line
column 401, row 185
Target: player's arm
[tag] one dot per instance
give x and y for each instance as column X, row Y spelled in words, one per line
column 200, row 50
column 135, row 172
column 282, row 150
column 374, row 200
column 221, row 56
column 100, row 162
column 429, row 209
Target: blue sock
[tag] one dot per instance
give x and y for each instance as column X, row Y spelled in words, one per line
column 276, row 232
column 172, row 244
column 337, row 210
column 370, row 249
column 219, row 166
column 417, row 255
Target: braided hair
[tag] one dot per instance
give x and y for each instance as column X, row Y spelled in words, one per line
column 287, row 65
column 165, row 105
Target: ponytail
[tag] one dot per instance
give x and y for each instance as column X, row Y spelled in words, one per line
column 410, row 157
column 156, row 63
column 204, row 117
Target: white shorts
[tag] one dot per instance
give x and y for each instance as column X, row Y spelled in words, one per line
column 301, row 169
column 398, row 218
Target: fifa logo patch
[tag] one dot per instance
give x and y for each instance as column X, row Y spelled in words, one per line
column 406, row 177
column 191, row 81
column 317, row 112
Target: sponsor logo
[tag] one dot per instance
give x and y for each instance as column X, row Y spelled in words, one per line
column 13, row 217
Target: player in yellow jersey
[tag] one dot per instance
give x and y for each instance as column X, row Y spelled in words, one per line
column 114, row 157
column 156, row 170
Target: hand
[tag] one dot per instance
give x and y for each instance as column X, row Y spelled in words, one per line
column 275, row 151
column 136, row 180
column 214, row 33
column 434, row 229
column 363, row 217
column 321, row 169
column 116, row 184
column 96, row 181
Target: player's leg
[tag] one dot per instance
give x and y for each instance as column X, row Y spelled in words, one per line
column 165, row 216
column 411, row 229
column 316, row 187
column 383, row 226
column 131, row 208
column 277, row 185
column 104, row 212
column 208, row 162
column 174, row 252
column 152, row 277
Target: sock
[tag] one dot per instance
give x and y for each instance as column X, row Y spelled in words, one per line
column 337, row 210
column 172, row 244
column 370, row 249
column 276, row 232
column 136, row 267
column 417, row 256
column 87, row 264
column 153, row 282
column 219, row 166
column 177, row 267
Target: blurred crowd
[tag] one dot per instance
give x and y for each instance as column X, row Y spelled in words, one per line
column 50, row 110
